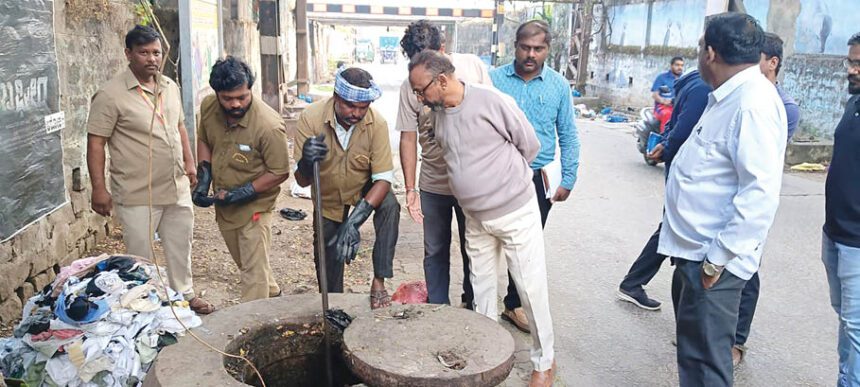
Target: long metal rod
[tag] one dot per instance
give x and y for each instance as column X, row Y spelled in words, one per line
column 323, row 280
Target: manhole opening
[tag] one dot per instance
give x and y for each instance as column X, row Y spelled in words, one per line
column 289, row 354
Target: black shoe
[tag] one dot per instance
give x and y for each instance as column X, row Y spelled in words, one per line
column 639, row 299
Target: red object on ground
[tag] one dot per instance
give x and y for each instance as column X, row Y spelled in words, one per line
column 663, row 113
column 414, row 292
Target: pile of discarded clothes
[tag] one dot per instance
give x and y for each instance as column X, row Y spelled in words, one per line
column 100, row 323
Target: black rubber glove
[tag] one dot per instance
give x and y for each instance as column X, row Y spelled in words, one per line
column 240, row 195
column 314, row 149
column 200, row 196
column 348, row 236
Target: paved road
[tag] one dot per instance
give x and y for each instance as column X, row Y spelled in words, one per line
column 592, row 240
column 594, row 237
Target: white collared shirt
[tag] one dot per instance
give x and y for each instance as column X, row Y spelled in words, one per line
column 723, row 187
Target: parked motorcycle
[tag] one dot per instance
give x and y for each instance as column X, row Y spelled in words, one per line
column 646, row 125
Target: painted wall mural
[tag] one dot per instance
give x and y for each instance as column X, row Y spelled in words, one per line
column 758, row 9
column 629, row 24
column 824, row 26
column 677, row 23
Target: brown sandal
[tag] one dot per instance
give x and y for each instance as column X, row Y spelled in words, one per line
column 200, row 306
column 379, row 299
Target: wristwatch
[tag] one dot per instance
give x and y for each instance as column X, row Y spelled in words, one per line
column 710, row 269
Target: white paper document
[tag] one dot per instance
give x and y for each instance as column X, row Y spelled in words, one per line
column 551, row 177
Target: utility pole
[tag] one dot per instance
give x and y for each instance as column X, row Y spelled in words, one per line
column 302, row 79
column 587, row 19
column 499, row 16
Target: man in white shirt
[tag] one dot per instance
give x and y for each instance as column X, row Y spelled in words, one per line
column 721, row 197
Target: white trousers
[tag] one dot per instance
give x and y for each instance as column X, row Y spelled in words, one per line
column 518, row 237
column 174, row 225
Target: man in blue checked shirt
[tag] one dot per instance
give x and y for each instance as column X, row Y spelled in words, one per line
column 544, row 96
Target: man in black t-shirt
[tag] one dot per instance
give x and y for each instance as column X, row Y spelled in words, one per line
column 840, row 247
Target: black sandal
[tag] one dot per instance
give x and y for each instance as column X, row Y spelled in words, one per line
column 291, row 214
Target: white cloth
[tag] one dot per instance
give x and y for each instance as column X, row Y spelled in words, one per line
column 147, row 346
column 298, row 191
column 61, row 370
column 96, row 359
column 107, row 344
column 164, row 319
column 110, row 283
column 723, row 188
column 125, row 359
column 518, row 237
column 143, row 298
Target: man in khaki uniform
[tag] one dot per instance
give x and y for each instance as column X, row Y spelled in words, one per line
column 242, row 147
column 350, row 140
column 120, row 116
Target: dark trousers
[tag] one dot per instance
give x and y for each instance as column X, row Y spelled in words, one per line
column 512, row 299
column 749, row 300
column 705, row 325
column 438, row 210
column 386, row 224
column 646, row 266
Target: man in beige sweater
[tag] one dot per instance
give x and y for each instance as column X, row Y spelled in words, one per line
column 434, row 205
column 488, row 144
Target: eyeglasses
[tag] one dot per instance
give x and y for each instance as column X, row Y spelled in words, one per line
column 422, row 91
column 851, row 63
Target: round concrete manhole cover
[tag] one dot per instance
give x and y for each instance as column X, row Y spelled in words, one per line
column 428, row 345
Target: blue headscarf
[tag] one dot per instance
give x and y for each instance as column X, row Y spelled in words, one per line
column 354, row 93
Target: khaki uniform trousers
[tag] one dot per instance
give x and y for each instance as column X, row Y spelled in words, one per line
column 174, row 225
column 518, row 238
column 249, row 246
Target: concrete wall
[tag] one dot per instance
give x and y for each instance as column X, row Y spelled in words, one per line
column 241, row 36
column 818, row 84
column 624, row 79
column 628, row 55
column 288, row 39
column 89, row 52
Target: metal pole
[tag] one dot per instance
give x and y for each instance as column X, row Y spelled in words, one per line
column 498, row 18
column 323, row 280
column 585, row 45
column 302, row 56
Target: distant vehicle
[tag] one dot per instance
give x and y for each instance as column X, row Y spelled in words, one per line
column 388, row 48
column 364, row 52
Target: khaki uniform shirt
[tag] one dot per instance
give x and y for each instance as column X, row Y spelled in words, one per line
column 122, row 111
column 256, row 145
column 344, row 172
column 413, row 116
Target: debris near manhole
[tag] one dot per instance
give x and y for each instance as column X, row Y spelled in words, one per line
column 406, row 314
column 809, row 167
column 451, row 360
column 400, row 315
column 293, row 214
column 338, row 319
